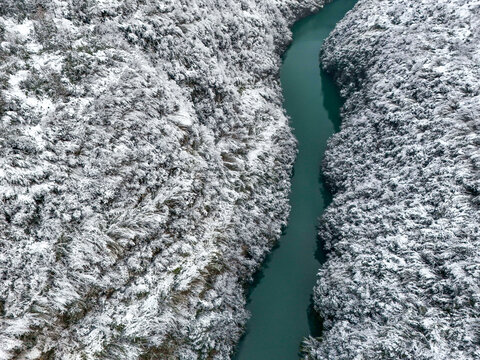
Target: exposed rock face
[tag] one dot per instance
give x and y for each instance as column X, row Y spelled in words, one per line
column 403, row 274
column 144, row 172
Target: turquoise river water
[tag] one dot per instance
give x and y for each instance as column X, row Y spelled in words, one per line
column 280, row 298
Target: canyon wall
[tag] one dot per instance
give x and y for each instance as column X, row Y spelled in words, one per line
column 145, row 164
column 403, row 271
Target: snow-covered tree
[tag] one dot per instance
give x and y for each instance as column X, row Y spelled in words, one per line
column 403, row 272
column 144, row 172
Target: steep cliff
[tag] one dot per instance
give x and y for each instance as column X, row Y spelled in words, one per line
column 403, row 272
column 144, row 172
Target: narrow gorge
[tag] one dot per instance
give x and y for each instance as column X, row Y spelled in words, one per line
column 280, row 297
column 147, row 152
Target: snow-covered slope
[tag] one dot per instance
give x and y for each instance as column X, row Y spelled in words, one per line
column 144, row 172
column 402, row 280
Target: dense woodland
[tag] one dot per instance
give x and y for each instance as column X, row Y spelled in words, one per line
column 144, row 172
column 145, row 161
column 403, row 272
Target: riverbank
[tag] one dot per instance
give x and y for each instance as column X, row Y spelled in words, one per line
column 280, row 299
column 144, row 173
column 401, row 279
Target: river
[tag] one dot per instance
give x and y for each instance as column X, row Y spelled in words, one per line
column 280, row 297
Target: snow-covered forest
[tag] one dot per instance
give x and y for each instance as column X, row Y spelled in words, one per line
column 402, row 280
column 144, row 172
column 145, row 164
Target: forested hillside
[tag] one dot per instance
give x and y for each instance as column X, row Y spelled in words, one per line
column 144, row 172
column 403, row 272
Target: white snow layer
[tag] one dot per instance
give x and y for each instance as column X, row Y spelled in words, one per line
column 403, row 272
column 143, row 173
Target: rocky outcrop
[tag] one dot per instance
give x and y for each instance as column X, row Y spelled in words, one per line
column 403, row 272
